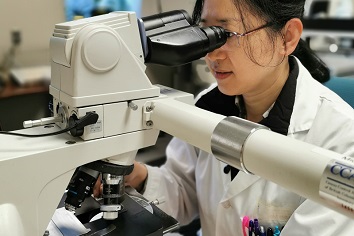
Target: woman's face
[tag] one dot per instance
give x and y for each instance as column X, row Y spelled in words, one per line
column 231, row 65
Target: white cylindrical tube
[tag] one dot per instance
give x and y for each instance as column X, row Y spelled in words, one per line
column 189, row 123
column 301, row 168
column 315, row 173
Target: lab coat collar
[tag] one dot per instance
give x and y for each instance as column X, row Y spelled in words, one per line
column 305, row 109
column 278, row 119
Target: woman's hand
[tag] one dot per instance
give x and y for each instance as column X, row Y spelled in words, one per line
column 137, row 178
column 98, row 188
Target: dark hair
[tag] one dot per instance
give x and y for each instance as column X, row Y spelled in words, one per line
column 279, row 12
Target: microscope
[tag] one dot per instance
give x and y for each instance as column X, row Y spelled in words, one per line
column 105, row 109
column 107, row 67
column 105, row 55
column 102, row 101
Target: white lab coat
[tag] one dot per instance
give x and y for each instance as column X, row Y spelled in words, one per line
column 193, row 183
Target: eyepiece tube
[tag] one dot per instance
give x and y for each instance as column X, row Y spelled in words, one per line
column 216, row 35
column 184, row 45
column 170, row 39
column 165, row 18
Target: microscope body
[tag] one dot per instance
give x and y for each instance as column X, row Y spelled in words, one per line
column 92, row 63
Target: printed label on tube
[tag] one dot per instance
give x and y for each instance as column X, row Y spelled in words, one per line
column 337, row 184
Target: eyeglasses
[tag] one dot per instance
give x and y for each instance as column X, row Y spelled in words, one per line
column 230, row 34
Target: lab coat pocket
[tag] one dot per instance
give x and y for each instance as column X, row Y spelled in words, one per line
column 272, row 215
column 276, row 205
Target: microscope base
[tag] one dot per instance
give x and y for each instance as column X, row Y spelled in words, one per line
column 133, row 219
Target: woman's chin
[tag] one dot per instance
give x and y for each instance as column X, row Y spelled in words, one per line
column 226, row 90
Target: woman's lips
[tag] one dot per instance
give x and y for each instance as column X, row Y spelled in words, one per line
column 221, row 75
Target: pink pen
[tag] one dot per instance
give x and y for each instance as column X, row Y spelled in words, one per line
column 245, row 222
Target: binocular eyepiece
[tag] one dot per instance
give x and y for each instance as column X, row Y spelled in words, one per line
column 172, row 39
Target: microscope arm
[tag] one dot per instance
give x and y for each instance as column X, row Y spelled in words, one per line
column 36, row 171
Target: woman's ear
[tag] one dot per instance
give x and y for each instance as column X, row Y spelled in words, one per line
column 291, row 35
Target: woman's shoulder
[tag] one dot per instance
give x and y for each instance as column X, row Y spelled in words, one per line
column 333, row 126
column 313, row 98
column 321, row 117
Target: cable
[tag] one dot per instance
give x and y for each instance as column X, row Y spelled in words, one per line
column 38, row 135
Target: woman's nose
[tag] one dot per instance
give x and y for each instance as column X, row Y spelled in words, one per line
column 217, row 54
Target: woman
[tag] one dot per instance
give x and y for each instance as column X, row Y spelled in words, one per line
column 259, row 79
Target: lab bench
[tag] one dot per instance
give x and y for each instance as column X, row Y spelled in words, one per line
column 20, row 103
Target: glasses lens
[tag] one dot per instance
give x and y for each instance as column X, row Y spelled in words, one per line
column 233, row 41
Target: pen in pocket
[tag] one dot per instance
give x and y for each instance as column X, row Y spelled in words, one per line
column 250, row 228
column 262, row 231
column 269, row 231
column 245, row 222
column 276, row 231
column 256, row 227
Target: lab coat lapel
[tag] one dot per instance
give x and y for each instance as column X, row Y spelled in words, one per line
column 241, row 182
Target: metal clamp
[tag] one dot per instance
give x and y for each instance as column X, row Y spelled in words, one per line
column 228, row 140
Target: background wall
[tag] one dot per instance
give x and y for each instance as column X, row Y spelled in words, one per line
column 35, row 20
column 150, row 7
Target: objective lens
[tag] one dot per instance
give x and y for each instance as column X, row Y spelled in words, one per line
column 113, row 195
column 80, row 187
